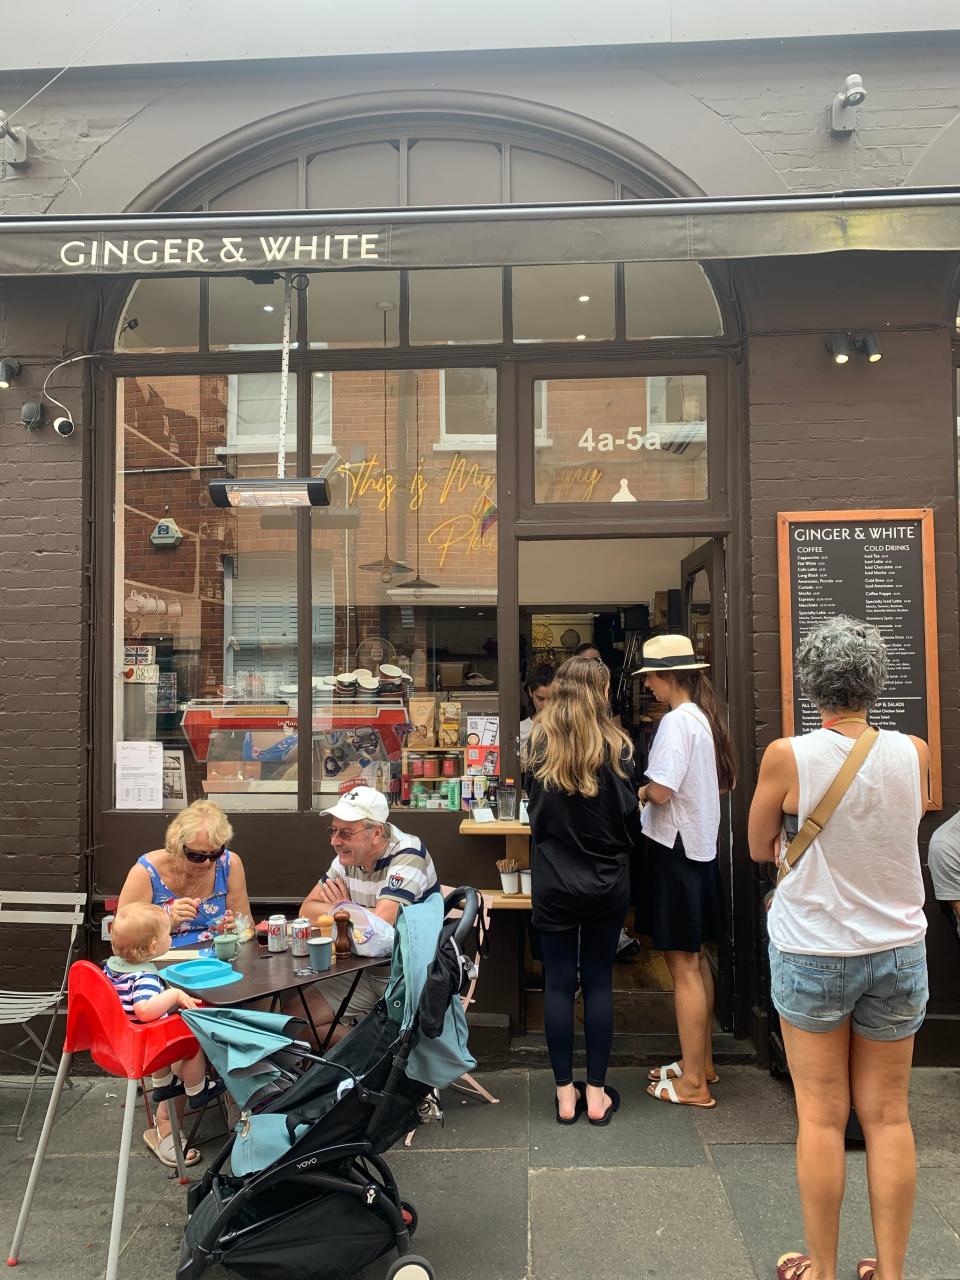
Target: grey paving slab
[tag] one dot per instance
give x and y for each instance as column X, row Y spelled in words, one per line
column 752, row 1106
column 644, row 1131
column 935, row 1111
column 469, row 1122
column 472, row 1207
column 760, row 1182
column 621, row 1224
column 942, row 1188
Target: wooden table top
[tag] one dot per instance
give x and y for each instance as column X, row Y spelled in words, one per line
column 269, row 973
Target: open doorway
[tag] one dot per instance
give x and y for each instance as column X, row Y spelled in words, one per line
column 613, row 594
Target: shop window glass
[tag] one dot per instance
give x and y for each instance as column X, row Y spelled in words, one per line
column 245, row 316
column 536, row 177
column 253, row 412
column 348, row 309
column 454, row 172
column 622, row 439
column 206, row 599
column 365, row 176
column 167, row 312
column 432, row 512
column 669, row 300
column 563, row 304
column 448, row 307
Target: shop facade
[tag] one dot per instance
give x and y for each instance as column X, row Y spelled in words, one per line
column 553, row 422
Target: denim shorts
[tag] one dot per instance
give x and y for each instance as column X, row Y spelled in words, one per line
column 885, row 993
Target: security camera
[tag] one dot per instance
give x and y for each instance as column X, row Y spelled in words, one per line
column 64, row 427
column 843, row 109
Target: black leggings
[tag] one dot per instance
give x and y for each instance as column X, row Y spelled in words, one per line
column 596, row 943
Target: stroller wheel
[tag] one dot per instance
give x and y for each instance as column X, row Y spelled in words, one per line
column 411, row 1267
column 411, row 1218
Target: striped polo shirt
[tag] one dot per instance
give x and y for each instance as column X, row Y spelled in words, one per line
column 133, row 981
column 403, row 873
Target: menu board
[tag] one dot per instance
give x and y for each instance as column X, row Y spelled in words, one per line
column 877, row 566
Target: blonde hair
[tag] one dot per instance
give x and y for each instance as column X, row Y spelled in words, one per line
column 575, row 734
column 202, row 815
column 136, row 928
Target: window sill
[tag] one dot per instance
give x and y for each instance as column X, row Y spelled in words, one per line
column 474, row 444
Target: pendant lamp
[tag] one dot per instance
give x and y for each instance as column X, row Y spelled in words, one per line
column 386, row 567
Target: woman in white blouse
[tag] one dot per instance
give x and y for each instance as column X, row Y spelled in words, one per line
column 691, row 762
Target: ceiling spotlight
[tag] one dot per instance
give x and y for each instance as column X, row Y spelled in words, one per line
column 843, row 109
column 268, row 306
column 581, row 337
column 583, row 297
column 9, row 370
column 839, row 347
column 868, row 345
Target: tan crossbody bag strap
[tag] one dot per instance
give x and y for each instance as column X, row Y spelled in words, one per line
column 816, row 821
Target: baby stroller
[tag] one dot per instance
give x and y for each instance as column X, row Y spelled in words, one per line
column 309, row 1195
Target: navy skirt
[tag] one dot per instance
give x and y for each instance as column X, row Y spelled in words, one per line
column 681, row 902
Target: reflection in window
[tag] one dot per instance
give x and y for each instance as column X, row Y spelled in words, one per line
column 253, row 412
column 434, row 510
column 622, row 439
column 167, row 312
column 563, row 304
column 669, row 300
column 245, row 316
column 456, row 306
column 209, row 610
column 354, row 309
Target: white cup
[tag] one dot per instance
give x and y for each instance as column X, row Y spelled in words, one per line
column 525, row 880
column 510, row 881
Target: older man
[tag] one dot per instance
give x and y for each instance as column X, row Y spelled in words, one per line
column 376, row 866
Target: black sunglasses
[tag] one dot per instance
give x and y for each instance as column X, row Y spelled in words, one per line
column 191, row 855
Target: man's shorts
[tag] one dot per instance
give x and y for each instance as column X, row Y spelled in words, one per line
column 370, row 989
column 885, row 993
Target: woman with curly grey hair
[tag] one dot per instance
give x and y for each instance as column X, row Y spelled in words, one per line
column 848, row 962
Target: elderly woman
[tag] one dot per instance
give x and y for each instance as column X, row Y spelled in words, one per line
column 197, row 880
column 847, row 954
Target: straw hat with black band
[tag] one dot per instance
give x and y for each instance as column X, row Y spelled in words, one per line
column 663, row 654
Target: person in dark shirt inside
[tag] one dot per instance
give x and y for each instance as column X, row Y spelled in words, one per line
column 584, row 820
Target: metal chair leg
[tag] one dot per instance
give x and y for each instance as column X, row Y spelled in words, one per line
column 120, row 1193
column 178, row 1152
column 41, row 1066
column 62, row 1072
column 467, row 1084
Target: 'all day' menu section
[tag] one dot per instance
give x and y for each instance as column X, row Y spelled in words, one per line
column 873, row 570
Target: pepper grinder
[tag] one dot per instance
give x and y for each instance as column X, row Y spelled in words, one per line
column 341, row 945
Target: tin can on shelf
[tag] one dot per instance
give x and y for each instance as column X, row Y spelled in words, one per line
column 480, row 788
column 466, row 787
column 300, row 936
column 453, row 795
column 277, row 933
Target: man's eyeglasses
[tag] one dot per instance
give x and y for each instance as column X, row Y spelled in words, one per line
column 345, row 834
column 192, row 855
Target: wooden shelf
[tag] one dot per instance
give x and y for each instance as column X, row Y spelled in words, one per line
column 469, row 827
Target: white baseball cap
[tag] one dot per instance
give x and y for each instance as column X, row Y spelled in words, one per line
column 361, row 804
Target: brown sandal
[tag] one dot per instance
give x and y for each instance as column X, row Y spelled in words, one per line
column 793, row 1266
column 867, row 1269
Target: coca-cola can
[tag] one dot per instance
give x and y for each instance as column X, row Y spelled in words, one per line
column 300, row 936
column 277, row 933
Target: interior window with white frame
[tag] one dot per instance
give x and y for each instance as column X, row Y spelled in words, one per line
column 253, row 409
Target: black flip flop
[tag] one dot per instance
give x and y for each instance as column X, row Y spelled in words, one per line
column 612, row 1110
column 581, row 1106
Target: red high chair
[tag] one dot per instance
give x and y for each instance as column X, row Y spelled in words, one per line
column 96, row 1023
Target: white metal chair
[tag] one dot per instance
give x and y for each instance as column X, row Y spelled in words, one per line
column 17, row 1008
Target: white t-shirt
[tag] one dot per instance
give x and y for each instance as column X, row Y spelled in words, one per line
column 525, row 727
column 858, row 888
column 683, row 758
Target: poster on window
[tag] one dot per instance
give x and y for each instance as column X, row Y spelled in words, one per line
column 174, row 780
column 166, row 692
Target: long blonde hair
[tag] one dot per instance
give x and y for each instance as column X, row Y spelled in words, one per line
column 575, row 734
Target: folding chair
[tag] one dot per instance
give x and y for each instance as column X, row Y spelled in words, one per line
column 28, row 907
column 467, row 1084
column 96, row 1023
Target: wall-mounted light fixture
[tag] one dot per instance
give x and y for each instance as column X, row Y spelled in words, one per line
column 32, row 415
column 9, row 371
column 839, row 347
column 843, row 109
column 867, row 344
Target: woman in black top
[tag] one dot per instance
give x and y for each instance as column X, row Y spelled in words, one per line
column 583, row 820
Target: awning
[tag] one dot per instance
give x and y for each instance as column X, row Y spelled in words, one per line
column 149, row 244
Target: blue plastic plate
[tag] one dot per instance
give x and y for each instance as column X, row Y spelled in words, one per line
column 200, row 973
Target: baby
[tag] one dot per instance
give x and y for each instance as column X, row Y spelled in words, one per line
column 140, row 933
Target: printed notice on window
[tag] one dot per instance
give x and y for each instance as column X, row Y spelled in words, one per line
column 139, row 775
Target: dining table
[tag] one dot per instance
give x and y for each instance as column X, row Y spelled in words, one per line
column 271, row 975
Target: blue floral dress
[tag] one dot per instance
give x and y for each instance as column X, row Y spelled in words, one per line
column 199, row 930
